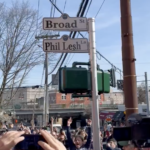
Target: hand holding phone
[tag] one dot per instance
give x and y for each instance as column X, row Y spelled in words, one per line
column 10, row 139
column 30, row 142
column 39, row 142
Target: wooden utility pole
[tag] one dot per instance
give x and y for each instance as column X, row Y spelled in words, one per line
column 128, row 58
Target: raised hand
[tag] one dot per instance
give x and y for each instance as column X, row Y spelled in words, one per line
column 69, row 122
column 89, row 122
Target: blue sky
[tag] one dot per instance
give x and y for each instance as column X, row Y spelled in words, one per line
column 108, row 34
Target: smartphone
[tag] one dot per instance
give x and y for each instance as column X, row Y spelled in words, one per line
column 30, row 142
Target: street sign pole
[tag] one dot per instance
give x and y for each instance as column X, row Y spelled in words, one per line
column 146, row 91
column 46, row 103
column 68, row 45
column 95, row 100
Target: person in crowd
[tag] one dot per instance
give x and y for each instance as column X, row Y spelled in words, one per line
column 110, row 135
column 78, row 144
column 12, row 127
column 112, row 145
column 83, row 134
column 128, row 145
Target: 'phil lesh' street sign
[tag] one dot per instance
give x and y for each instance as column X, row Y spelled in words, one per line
column 66, row 45
column 65, row 23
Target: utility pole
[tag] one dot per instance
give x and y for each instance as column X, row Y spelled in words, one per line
column 46, row 105
column 146, row 92
column 128, row 58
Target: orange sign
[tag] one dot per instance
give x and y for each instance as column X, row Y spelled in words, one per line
column 108, row 119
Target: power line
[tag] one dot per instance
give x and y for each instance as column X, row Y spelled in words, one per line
column 62, row 53
column 56, row 7
column 79, row 32
column 65, row 5
column 100, row 8
column 37, row 16
column 56, row 65
column 88, row 8
column 78, row 13
column 82, row 13
column 104, row 57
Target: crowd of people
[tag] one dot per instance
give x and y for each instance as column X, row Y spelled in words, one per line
column 79, row 139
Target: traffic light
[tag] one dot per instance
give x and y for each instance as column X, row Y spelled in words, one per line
column 16, row 121
column 74, row 80
column 120, row 84
column 103, row 81
column 78, row 80
column 112, row 77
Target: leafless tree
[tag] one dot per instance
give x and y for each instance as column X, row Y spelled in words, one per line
column 19, row 51
column 141, row 93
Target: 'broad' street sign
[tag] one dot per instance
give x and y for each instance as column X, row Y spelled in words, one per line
column 65, row 23
column 66, row 45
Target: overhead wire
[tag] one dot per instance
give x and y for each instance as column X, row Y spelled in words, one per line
column 79, row 32
column 65, row 6
column 78, row 13
column 105, row 58
column 88, row 8
column 81, row 15
column 37, row 16
column 62, row 53
column 98, row 11
column 56, row 6
column 100, row 8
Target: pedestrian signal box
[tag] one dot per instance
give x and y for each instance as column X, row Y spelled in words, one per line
column 78, row 80
column 74, row 80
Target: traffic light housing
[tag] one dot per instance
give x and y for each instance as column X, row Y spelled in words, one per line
column 112, row 77
column 120, row 84
column 78, row 80
column 103, row 82
column 74, row 80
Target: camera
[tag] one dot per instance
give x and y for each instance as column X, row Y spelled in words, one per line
column 30, row 143
column 137, row 131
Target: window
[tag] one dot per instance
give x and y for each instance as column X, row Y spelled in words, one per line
column 21, row 96
column 63, row 97
column 80, row 98
column 81, row 105
column 52, row 99
column 72, row 97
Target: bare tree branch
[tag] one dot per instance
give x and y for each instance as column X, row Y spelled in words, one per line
column 19, row 51
column 141, row 93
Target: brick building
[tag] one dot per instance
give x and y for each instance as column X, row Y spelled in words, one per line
column 56, row 98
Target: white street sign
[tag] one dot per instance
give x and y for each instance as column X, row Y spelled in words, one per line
column 66, row 23
column 66, row 45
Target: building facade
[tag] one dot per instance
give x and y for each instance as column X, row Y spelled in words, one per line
column 66, row 100
column 113, row 98
column 56, row 99
column 21, row 95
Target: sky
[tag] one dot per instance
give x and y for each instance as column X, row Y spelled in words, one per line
column 108, row 34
